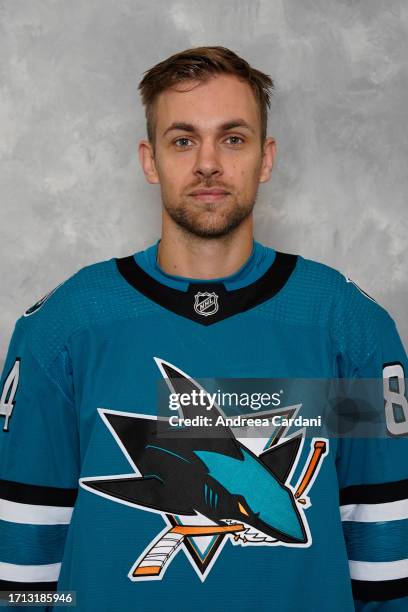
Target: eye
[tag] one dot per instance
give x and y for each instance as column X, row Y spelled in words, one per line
column 183, row 140
column 242, row 509
column 235, row 139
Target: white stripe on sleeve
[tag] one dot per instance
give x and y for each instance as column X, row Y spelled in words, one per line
column 373, row 513
column 376, row 571
column 31, row 514
column 30, row 573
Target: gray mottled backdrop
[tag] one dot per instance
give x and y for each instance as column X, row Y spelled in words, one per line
column 72, row 191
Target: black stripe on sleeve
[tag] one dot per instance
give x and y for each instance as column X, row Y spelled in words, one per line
column 379, row 591
column 374, row 493
column 11, row 586
column 37, row 495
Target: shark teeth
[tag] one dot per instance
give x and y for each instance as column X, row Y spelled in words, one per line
column 249, row 535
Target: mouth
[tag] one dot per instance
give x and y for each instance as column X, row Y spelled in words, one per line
column 209, row 195
column 249, row 534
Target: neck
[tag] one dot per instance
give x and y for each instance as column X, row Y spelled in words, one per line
column 183, row 254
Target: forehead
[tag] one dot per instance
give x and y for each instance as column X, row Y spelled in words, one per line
column 207, row 103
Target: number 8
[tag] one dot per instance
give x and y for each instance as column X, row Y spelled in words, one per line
column 396, row 428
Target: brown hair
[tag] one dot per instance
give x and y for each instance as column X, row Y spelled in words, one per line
column 200, row 63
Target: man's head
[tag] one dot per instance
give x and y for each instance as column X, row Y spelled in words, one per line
column 206, row 112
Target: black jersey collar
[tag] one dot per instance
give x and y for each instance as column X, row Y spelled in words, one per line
column 208, row 302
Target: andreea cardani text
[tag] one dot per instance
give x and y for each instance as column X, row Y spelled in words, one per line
column 244, row 421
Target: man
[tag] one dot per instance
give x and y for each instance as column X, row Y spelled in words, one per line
column 100, row 492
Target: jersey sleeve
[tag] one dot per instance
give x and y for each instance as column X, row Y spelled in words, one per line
column 373, row 471
column 39, row 451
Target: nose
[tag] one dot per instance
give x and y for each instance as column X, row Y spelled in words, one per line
column 207, row 163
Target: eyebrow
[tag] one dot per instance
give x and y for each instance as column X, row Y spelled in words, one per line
column 229, row 125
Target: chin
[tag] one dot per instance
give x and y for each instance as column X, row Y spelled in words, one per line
column 213, row 221
column 211, row 230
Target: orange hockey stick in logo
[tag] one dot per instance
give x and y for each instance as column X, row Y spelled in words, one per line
column 319, row 451
column 157, row 557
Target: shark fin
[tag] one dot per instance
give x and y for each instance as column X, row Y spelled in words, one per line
column 148, row 492
column 179, row 382
column 279, row 459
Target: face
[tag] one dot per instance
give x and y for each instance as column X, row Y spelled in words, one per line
column 208, row 156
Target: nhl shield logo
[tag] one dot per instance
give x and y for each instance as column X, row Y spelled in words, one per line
column 206, row 304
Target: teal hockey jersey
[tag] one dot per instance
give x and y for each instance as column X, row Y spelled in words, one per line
column 99, row 497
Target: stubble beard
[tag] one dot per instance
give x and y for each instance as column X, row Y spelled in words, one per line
column 205, row 220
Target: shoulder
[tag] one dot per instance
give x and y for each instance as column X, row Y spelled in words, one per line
column 341, row 294
column 321, row 296
column 75, row 288
column 70, row 296
column 74, row 303
column 354, row 319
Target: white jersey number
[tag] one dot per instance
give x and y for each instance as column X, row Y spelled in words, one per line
column 397, row 398
column 9, row 392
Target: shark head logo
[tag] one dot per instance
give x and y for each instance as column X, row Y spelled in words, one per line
column 208, row 489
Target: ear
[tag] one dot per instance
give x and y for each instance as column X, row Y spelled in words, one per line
column 146, row 158
column 269, row 152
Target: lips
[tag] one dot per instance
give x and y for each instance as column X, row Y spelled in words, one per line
column 209, row 194
column 209, row 191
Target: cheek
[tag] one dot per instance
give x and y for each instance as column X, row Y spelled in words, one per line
column 173, row 176
column 245, row 169
column 246, row 176
column 175, row 169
